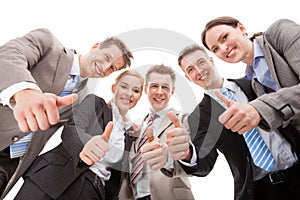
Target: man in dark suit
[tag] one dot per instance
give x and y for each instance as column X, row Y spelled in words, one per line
column 208, row 135
column 36, row 69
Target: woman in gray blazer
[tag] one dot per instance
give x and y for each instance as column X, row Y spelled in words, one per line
column 272, row 59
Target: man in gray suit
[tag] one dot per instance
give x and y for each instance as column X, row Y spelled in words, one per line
column 35, row 70
column 153, row 184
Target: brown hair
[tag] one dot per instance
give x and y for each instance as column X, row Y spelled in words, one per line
column 224, row 20
column 190, row 49
column 127, row 55
column 161, row 69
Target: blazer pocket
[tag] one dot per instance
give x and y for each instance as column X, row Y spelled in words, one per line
column 54, row 157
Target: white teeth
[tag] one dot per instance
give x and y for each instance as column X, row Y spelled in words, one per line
column 97, row 70
column 230, row 53
column 204, row 77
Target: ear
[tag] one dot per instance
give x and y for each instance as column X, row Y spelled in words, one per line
column 113, row 88
column 97, row 45
column 173, row 89
column 146, row 89
column 186, row 76
column 211, row 60
column 242, row 28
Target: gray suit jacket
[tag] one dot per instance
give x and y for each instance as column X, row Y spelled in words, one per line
column 40, row 58
column 161, row 186
column 280, row 45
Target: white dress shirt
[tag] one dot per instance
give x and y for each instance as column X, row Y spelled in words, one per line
column 115, row 144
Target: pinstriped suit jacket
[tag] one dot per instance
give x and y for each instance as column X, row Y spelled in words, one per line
column 281, row 47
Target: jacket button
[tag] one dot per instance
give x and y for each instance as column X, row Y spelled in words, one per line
column 250, row 192
column 15, row 138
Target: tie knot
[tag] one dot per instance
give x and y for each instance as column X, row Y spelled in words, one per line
column 151, row 118
column 228, row 93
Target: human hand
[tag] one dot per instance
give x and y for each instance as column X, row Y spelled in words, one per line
column 35, row 110
column 238, row 117
column 135, row 130
column 96, row 147
column 178, row 140
column 154, row 153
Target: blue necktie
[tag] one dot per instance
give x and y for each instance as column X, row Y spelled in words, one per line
column 259, row 151
column 19, row 148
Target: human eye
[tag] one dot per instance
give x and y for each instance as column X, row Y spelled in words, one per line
column 124, row 86
column 137, row 91
column 189, row 70
column 215, row 49
column 201, row 62
column 165, row 87
column 154, row 85
column 113, row 68
column 224, row 37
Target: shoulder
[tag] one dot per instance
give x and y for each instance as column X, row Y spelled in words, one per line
column 281, row 25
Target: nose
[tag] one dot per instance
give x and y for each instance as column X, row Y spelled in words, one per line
column 160, row 89
column 107, row 69
column 224, row 48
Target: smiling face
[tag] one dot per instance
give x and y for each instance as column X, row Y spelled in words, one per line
column 159, row 89
column 201, row 70
column 100, row 63
column 229, row 44
column 127, row 92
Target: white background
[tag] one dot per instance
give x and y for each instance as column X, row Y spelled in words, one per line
column 80, row 24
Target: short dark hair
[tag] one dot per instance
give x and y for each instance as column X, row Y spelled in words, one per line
column 126, row 53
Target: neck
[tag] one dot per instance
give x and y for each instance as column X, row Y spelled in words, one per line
column 217, row 84
column 249, row 58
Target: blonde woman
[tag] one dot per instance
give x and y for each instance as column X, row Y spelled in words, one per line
column 89, row 162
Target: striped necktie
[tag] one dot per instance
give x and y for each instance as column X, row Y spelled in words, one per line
column 259, row 151
column 19, row 148
column 137, row 161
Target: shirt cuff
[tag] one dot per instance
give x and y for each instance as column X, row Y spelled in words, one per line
column 193, row 161
column 8, row 93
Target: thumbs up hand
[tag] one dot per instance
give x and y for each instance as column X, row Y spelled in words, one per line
column 154, row 153
column 238, row 117
column 96, row 147
column 178, row 140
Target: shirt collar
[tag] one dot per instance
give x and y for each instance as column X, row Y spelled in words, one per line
column 75, row 70
column 258, row 53
column 163, row 111
column 118, row 120
column 226, row 84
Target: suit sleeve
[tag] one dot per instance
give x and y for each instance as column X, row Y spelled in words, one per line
column 282, row 107
column 204, row 144
column 88, row 119
column 19, row 56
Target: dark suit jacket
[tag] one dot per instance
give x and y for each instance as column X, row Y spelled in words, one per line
column 40, row 58
column 55, row 170
column 208, row 135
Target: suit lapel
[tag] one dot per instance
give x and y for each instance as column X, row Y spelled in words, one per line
column 166, row 123
column 63, row 67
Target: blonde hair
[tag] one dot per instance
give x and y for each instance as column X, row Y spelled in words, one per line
column 128, row 73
